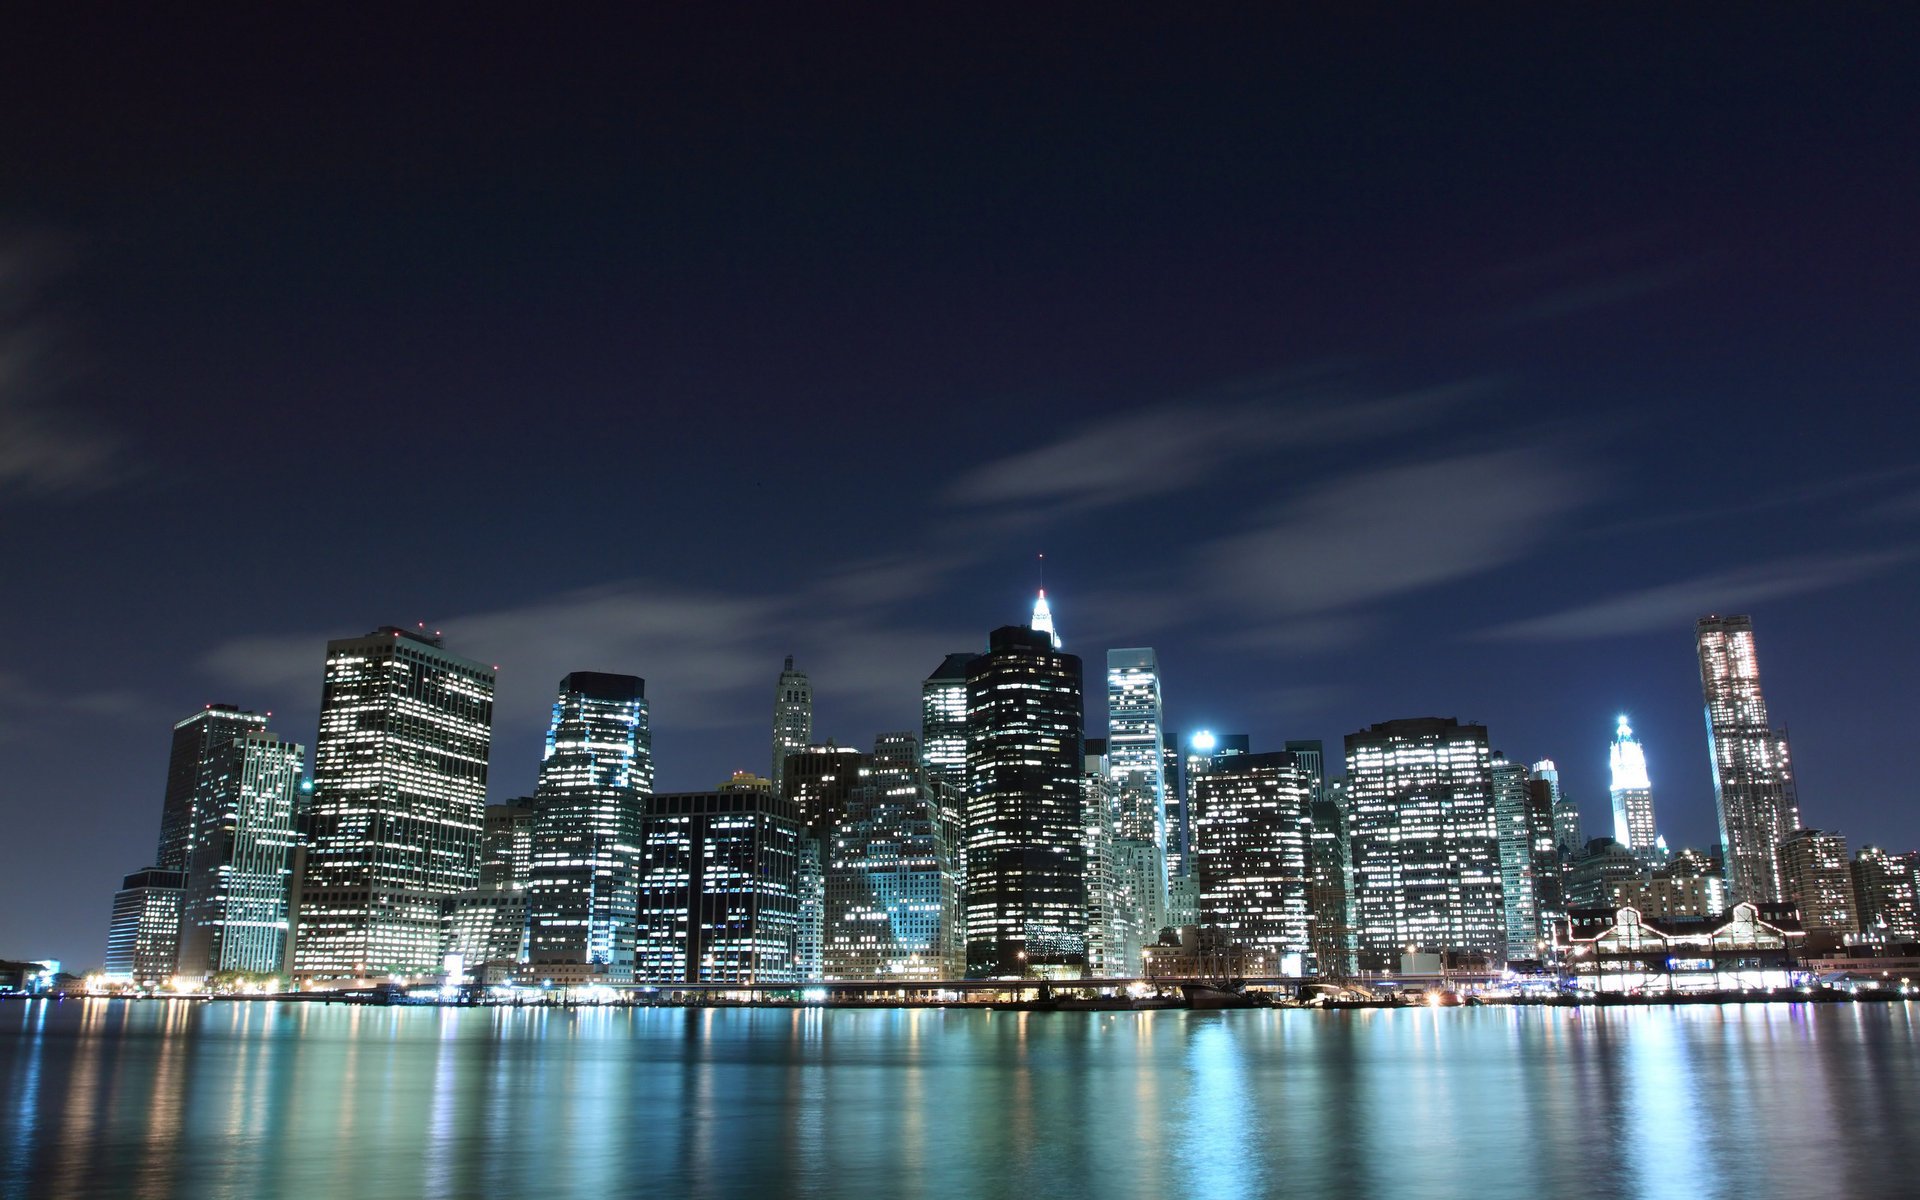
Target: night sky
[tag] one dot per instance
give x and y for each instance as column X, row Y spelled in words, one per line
column 1366, row 369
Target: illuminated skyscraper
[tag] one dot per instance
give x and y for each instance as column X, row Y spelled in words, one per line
column 399, row 789
column 1425, row 845
column 1567, row 835
column 1043, row 618
column 582, row 876
column 1816, row 879
column 195, row 741
column 792, row 717
column 1136, row 764
column 143, row 940
column 1331, row 897
column 893, row 905
column 234, row 912
column 1752, row 777
column 1631, row 791
column 943, row 721
column 820, row 781
column 1884, row 896
column 487, row 927
column 1510, row 794
column 1026, row 891
column 717, row 888
column 1253, row 825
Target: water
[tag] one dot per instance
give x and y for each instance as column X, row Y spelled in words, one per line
column 158, row 1099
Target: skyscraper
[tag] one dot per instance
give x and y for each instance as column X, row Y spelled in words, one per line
column 1331, row 897
column 234, row 910
column 1253, row 825
column 143, row 938
column 893, row 905
column 1426, row 850
column 1043, row 618
column 1511, row 781
column 487, row 927
column 1567, row 834
column 717, row 898
column 1136, row 764
column 943, row 721
column 792, row 717
column 820, row 781
column 188, row 775
column 399, row 788
column 1752, row 778
column 1816, row 879
column 1026, row 894
column 582, row 878
column 1884, row 896
column 1632, row 792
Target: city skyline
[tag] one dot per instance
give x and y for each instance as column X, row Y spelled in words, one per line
column 1364, row 370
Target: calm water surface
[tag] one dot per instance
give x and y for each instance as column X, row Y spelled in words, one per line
column 174, row 1098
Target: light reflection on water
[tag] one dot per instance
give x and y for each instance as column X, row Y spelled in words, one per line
column 174, row 1098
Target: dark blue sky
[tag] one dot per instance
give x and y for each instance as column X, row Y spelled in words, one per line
column 1367, row 368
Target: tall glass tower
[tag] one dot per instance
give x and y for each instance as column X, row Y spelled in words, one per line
column 1253, row 825
column 1425, row 844
column 582, row 881
column 1632, row 792
column 1026, row 884
column 399, row 790
column 195, row 743
column 235, row 905
column 792, row 718
column 943, row 721
column 1752, row 777
column 1511, row 782
column 1136, row 764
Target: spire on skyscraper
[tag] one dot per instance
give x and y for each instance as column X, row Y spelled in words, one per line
column 1043, row 615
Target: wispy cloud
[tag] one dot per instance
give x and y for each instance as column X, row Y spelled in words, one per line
column 45, row 450
column 1575, row 298
column 1385, row 531
column 1171, row 447
column 1671, row 605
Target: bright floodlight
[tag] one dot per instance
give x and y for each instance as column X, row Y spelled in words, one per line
column 1203, row 741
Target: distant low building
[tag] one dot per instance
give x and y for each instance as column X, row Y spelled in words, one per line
column 1620, row 951
column 143, row 940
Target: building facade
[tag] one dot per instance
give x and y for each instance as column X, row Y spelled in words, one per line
column 1425, row 844
column 892, row 878
column 1253, row 829
column 583, row 872
column 1631, row 791
column 943, row 722
column 192, row 768
column 234, row 909
column 1885, row 898
column 399, row 792
column 1025, row 886
column 717, row 902
column 143, row 936
column 1752, row 774
column 1136, row 765
column 1816, row 878
column 792, row 717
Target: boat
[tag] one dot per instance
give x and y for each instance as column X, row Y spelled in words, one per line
column 1209, row 996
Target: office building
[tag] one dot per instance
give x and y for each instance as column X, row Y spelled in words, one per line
column 1752, row 776
column 582, row 878
column 1135, row 762
column 943, row 722
column 191, row 769
column 143, row 937
column 1599, row 871
column 487, row 926
column 1885, row 899
column 1816, row 878
column 892, row 878
column 399, row 793
column 1424, row 841
column 1025, row 886
column 234, row 909
column 792, row 717
column 820, row 781
column 1253, row 826
column 1331, row 898
column 1511, row 783
column 717, row 901
column 1548, row 879
column 1631, row 791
